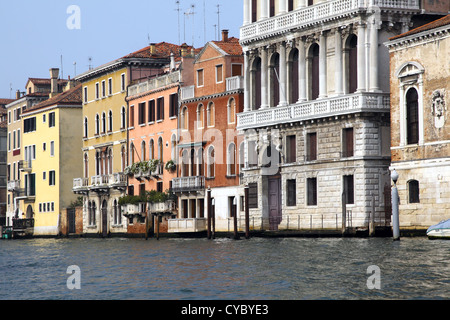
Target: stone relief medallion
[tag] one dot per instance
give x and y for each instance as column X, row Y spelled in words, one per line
column 438, row 108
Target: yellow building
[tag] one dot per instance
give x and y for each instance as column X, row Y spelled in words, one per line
column 51, row 148
column 105, row 125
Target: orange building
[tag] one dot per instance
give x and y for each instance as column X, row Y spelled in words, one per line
column 208, row 144
column 153, row 123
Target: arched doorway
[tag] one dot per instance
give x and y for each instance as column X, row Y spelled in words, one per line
column 29, row 214
column 104, row 218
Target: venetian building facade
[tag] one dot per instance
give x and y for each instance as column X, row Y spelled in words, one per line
column 316, row 112
column 420, row 77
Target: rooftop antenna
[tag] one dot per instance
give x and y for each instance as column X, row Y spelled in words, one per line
column 178, row 13
column 10, row 90
column 62, row 71
column 215, row 29
column 204, row 22
column 188, row 13
column 90, row 63
column 218, row 22
column 75, row 68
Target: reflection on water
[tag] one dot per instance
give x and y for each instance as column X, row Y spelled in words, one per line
column 293, row 268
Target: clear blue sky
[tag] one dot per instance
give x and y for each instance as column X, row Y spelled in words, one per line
column 34, row 34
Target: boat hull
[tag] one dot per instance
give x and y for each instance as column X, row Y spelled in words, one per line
column 439, row 231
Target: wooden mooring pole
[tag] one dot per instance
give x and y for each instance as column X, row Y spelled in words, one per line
column 208, row 206
column 247, row 213
column 344, row 213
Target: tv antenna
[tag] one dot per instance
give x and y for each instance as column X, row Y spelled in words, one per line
column 218, row 22
column 191, row 12
column 75, row 68
column 178, row 13
column 90, row 63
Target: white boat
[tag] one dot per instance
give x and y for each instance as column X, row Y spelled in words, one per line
column 440, row 230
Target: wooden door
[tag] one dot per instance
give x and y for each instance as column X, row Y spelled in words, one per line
column 275, row 215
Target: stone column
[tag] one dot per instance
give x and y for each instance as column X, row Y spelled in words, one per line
column 322, row 66
column 246, row 82
column 339, row 88
column 282, row 6
column 264, row 78
column 283, row 72
column 301, row 70
column 264, row 9
column 247, row 12
column 301, row 4
column 374, row 86
column 361, row 59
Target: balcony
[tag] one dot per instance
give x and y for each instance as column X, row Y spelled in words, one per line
column 187, row 92
column 164, row 207
column 187, row 184
column 25, row 165
column 154, row 83
column 13, row 185
column 348, row 104
column 317, row 15
column 235, row 83
column 26, row 194
column 115, row 180
column 187, row 225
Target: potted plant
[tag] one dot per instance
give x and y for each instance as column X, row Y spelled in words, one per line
column 170, row 166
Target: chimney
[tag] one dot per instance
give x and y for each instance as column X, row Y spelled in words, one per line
column 172, row 61
column 225, row 35
column 183, row 49
column 54, row 73
column 152, row 48
column 17, row 94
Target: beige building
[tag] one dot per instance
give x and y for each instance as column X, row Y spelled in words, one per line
column 420, row 123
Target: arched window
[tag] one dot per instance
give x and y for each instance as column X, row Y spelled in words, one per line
column 110, row 121
column 313, row 62
column 414, row 191
column 211, row 112
column 256, row 83
column 293, row 76
column 97, row 124
column 143, row 154
column 184, row 118
column 211, row 162
column 241, row 156
column 151, row 150
column 351, row 53
column 173, row 146
column 160, row 149
column 200, row 162
column 124, row 158
column 117, row 217
column 274, row 74
column 412, row 116
column 231, row 110
column 193, row 163
column 103, row 122
column 98, row 163
column 86, row 132
column 86, row 165
column 109, row 157
column 200, row 116
column 231, row 159
column 131, row 153
column 123, row 116
column 185, row 164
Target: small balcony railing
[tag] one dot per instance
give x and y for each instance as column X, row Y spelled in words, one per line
column 13, row 185
column 102, row 181
column 154, row 83
column 187, row 225
column 25, row 165
column 187, row 92
column 235, row 83
column 186, row 184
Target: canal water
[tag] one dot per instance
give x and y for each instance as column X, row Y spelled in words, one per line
column 201, row 269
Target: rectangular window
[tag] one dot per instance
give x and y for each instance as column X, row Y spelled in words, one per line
column 200, row 78
column 40, row 207
column 219, row 73
column 159, row 186
column 291, row 193
column 110, row 89
column 18, row 139
column 44, row 175
column 311, row 145
column 253, row 195
column 44, row 146
column 9, row 141
column 311, row 190
column 52, row 148
column 347, row 142
column 14, row 139
column 44, row 118
column 349, row 190
column 173, row 101
column 252, row 155
column 51, row 178
column 122, row 82
column 85, row 94
column 103, row 88
column 141, row 113
column 131, row 116
column 97, row 93
column 151, row 111
column 160, row 108
column 29, row 125
column 236, row 70
column 51, row 119
column 291, row 149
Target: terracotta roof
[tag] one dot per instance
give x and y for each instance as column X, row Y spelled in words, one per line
column 45, row 81
column 162, row 51
column 6, row 101
column 231, row 47
column 69, row 97
column 431, row 25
